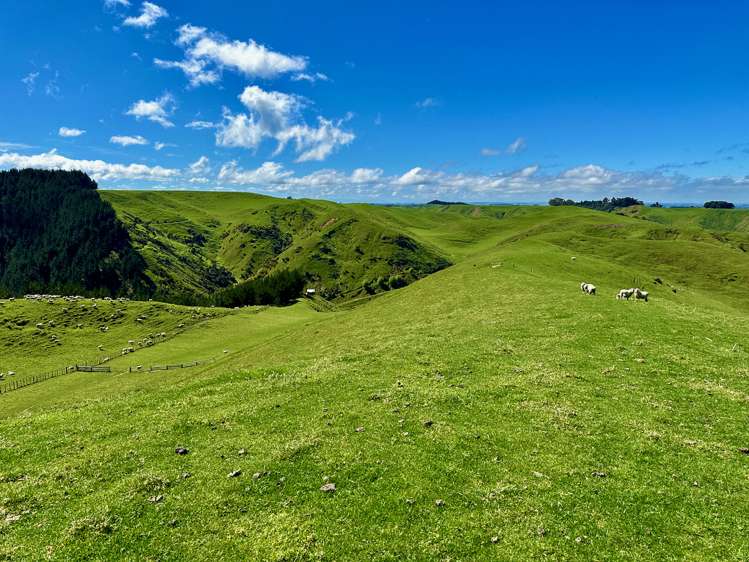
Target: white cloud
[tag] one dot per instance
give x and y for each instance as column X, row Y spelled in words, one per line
column 125, row 140
column 150, row 14
column 305, row 77
column 525, row 184
column 116, row 3
column 518, row 145
column 201, row 125
column 276, row 115
column 200, row 166
column 7, row 146
column 70, row 132
column 30, row 82
column 270, row 173
column 207, row 54
column 161, row 145
column 426, row 103
column 490, row 152
column 155, row 110
column 99, row 170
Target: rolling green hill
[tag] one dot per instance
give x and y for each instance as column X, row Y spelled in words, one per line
column 196, row 242
column 487, row 411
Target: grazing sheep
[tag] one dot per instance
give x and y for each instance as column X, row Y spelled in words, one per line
column 641, row 295
column 625, row 294
column 588, row 288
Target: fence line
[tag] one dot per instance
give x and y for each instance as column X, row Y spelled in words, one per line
column 92, row 367
column 88, row 367
column 169, row 367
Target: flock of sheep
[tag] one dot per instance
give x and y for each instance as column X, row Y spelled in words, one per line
column 623, row 294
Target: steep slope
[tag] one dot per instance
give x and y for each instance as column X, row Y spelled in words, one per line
column 197, row 242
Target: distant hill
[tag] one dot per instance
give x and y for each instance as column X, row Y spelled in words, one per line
column 198, row 242
column 439, row 202
column 57, row 235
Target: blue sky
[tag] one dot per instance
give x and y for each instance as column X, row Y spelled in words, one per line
column 383, row 101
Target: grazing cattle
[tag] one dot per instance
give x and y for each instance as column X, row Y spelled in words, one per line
column 625, row 294
column 641, row 295
column 588, row 288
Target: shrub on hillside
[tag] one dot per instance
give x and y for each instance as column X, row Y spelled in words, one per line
column 719, row 205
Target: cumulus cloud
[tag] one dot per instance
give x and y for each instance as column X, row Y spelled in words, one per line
column 70, row 132
column 125, row 140
column 200, row 166
column 276, row 115
column 207, row 54
column 525, row 184
column 116, row 3
column 157, row 110
column 99, row 170
column 149, row 15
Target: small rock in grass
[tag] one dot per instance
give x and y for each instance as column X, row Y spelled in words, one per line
column 329, row 488
column 410, row 501
column 241, row 452
column 538, row 474
column 186, row 475
column 495, row 540
column 235, row 473
column 173, row 523
column 359, row 429
column 598, row 474
column 257, row 476
column 744, row 450
column 428, row 423
column 439, row 503
column 181, row 450
column 156, row 499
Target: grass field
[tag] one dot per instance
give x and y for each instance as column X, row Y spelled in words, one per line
column 488, row 411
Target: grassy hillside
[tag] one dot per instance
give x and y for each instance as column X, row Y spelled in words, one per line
column 487, row 411
column 198, row 242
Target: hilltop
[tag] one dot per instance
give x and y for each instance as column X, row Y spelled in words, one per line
column 489, row 410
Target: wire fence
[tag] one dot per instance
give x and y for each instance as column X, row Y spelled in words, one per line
column 169, row 367
column 11, row 382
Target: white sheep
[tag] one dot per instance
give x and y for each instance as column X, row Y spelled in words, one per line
column 625, row 294
column 641, row 295
column 588, row 288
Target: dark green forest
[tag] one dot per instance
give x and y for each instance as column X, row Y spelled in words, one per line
column 58, row 236
column 604, row 204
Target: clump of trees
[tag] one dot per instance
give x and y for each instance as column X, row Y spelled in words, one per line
column 604, row 204
column 719, row 205
column 58, row 236
column 279, row 288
